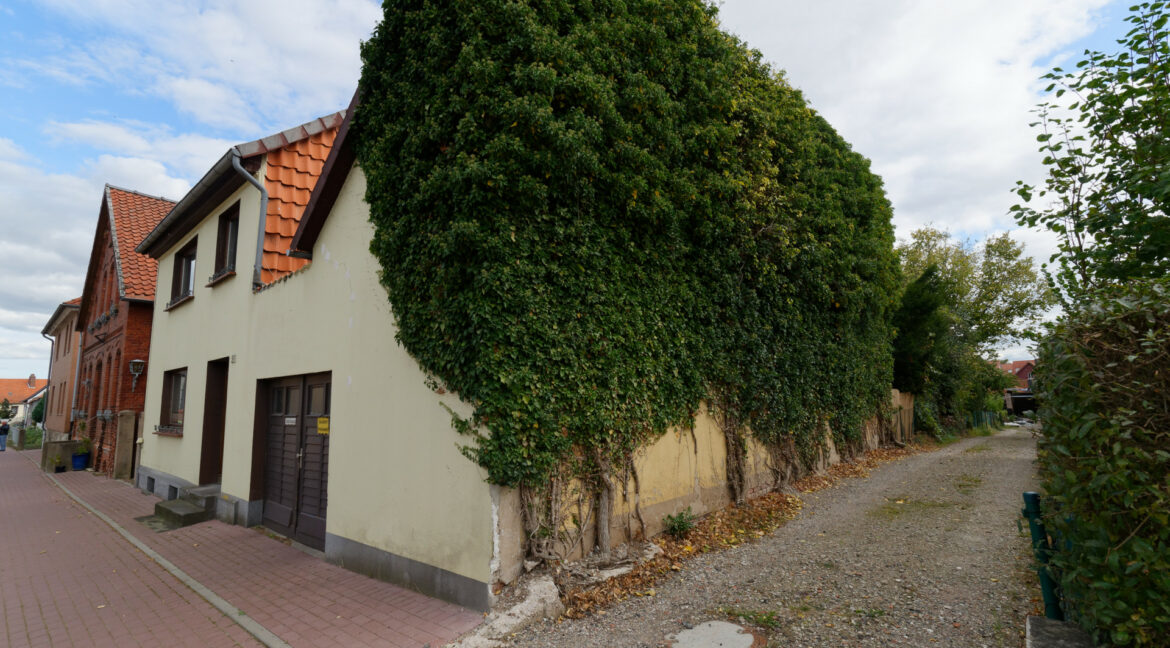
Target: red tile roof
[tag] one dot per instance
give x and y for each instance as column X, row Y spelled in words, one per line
column 1015, row 367
column 133, row 216
column 55, row 318
column 18, row 389
column 290, row 175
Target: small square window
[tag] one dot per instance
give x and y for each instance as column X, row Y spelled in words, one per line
column 183, row 279
column 225, row 243
column 174, row 400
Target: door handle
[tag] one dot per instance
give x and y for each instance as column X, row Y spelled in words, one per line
column 300, row 458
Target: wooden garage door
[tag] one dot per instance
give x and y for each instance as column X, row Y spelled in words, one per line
column 297, row 457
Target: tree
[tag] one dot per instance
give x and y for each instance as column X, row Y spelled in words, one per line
column 6, row 410
column 923, row 328
column 38, row 413
column 962, row 301
column 995, row 291
column 1107, row 149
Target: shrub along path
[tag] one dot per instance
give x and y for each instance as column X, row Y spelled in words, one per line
column 923, row 552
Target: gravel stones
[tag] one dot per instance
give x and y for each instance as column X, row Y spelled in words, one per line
column 924, row 552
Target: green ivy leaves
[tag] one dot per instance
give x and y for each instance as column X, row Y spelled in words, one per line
column 592, row 216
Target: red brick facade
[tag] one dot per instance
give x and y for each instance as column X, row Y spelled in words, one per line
column 115, row 320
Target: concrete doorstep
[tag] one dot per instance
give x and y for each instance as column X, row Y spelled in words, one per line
column 1050, row 633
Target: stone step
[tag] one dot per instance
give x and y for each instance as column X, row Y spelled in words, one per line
column 181, row 513
column 1047, row 633
column 201, row 496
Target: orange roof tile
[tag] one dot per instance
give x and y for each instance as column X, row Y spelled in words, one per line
column 76, row 301
column 18, row 389
column 290, row 175
column 133, row 216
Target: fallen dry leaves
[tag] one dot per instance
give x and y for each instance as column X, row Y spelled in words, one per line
column 725, row 528
column 720, row 530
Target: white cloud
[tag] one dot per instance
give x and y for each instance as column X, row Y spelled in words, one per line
column 188, row 154
column 266, row 64
column 10, row 151
column 137, row 174
column 211, row 103
column 937, row 94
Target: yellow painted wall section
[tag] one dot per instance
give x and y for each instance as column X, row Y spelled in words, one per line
column 687, row 468
column 397, row 481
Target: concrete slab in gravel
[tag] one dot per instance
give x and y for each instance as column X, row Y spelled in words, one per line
column 1048, row 633
column 713, row 634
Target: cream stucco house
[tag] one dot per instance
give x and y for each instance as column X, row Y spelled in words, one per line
column 274, row 373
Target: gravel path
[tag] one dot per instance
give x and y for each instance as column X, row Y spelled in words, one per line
column 924, row 552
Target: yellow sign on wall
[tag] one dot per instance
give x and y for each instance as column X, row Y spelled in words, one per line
column 322, row 425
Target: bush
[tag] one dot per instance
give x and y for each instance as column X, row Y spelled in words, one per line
column 680, row 524
column 33, row 437
column 1104, row 391
column 926, row 417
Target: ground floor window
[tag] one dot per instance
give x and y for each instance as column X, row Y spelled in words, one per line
column 174, row 400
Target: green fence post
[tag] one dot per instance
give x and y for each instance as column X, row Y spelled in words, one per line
column 1040, row 548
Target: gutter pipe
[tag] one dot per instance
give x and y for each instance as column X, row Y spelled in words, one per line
column 76, row 384
column 48, row 384
column 256, row 282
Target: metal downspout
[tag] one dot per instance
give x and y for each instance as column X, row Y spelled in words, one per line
column 48, row 386
column 76, row 383
column 256, row 282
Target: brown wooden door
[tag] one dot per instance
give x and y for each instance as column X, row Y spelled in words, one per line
column 214, row 414
column 297, row 458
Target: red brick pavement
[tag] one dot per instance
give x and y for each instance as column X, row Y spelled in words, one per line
column 302, row 599
column 67, row 579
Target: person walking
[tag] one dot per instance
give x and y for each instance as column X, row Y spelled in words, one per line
column 3, row 435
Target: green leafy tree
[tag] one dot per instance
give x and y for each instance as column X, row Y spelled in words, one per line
column 996, row 292
column 923, row 327
column 989, row 294
column 38, row 413
column 6, row 410
column 1107, row 149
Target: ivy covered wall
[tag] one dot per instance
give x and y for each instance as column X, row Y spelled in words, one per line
column 594, row 216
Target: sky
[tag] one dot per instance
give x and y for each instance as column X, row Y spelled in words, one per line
column 146, row 95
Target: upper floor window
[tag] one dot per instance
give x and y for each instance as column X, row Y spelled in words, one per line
column 225, row 243
column 183, row 279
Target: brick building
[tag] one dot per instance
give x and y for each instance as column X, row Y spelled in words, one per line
column 60, row 408
column 114, row 320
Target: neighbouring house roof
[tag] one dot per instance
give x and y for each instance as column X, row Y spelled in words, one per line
column 18, row 390
column 133, row 216
column 130, row 216
column 62, row 309
column 36, row 395
column 1016, row 366
column 295, row 159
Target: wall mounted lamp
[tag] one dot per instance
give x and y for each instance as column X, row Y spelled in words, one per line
column 136, row 369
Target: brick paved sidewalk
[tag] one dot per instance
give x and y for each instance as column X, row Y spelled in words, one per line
column 300, row 598
column 67, row 579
